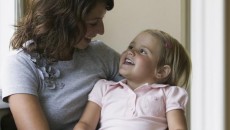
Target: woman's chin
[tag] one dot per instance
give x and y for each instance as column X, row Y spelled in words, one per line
column 83, row 44
column 82, row 47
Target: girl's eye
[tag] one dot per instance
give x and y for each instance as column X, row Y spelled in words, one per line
column 130, row 47
column 142, row 51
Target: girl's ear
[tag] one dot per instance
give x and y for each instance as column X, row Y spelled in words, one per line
column 163, row 72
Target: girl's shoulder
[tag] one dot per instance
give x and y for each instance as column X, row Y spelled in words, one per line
column 175, row 89
column 104, row 83
column 176, row 98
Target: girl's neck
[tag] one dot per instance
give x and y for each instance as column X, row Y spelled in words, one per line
column 133, row 85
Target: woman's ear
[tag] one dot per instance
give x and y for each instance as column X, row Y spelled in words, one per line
column 163, row 72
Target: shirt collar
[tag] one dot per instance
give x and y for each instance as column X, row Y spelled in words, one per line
column 123, row 83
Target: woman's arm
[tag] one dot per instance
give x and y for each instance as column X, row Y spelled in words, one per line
column 90, row 117
column 176, row 120
column 27, row 112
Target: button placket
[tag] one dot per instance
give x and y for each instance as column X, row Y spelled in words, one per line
column 132, row 104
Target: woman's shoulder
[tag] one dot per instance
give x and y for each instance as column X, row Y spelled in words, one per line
column 97, row 43
column 19, row 56
column 101, row 49
column 18, row 60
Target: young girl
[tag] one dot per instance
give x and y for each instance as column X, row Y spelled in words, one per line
column 149, row 97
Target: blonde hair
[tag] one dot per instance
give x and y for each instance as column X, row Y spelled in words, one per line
column 173, row 54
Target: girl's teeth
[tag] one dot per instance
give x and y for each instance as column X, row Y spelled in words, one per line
column 129, row 61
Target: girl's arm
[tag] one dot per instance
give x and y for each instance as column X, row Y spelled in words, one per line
column 27, row 112
column 176, row 120
column 90, row 117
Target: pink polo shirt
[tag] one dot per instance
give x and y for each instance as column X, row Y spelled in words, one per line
column 142, row 109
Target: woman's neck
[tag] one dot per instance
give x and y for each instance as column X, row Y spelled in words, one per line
column 66, row 55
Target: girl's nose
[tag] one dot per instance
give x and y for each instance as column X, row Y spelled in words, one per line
column 131, row 52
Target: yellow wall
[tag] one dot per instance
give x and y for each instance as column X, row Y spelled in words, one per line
column 129, row 17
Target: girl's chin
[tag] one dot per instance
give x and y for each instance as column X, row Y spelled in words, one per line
column 122, row 72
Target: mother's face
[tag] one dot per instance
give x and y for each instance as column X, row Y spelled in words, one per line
column 94, row 25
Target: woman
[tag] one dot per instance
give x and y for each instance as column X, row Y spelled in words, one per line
column 55, row 64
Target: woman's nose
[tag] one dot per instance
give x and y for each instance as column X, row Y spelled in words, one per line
column 100, row 28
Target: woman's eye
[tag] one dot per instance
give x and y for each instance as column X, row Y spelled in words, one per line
column 92, row 23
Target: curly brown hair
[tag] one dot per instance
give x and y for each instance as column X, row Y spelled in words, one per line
column 54, row 26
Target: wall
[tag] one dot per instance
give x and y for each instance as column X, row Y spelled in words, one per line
column 129, row 17
column 6, row 28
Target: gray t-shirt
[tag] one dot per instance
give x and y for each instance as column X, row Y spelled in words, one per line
column 62, row 87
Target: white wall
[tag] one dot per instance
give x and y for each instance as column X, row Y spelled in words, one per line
column 6, row 26
column 7, row 19
column 129, row 17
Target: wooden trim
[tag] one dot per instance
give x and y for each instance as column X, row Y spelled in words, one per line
column 185, row 40
column 26, row 5
column 227, row 65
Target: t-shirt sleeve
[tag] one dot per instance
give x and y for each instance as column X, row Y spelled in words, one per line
column 176, row 98
column 114, row 66
column 18, row 76
column 97, row 92
column 111, row 60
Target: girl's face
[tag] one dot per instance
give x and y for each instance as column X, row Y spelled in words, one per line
column 138, row 63
column 94, row 25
